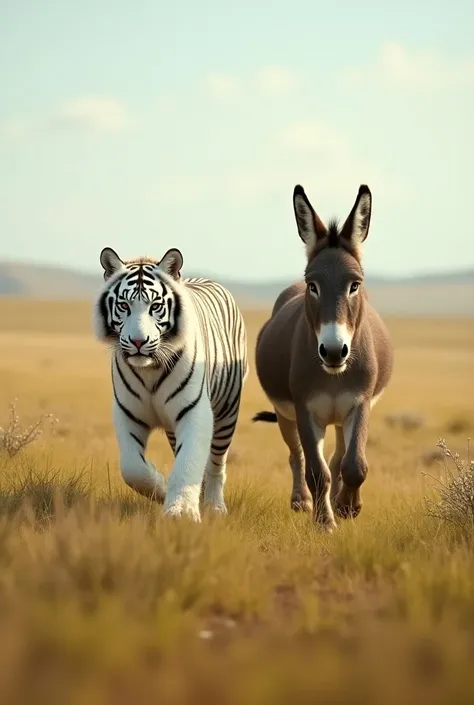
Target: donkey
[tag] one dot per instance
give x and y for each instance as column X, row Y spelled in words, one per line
column 324, row 357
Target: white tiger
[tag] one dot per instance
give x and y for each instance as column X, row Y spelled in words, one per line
column 179, row 362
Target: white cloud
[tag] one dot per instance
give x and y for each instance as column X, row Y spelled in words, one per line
column 84, row 115
column 314, row 154
column 420, row 69
column 275, row 80
column 173, row 190
column 167, row 104
column 221, row 85
column 93, row 114
column 260, row 182
column 266, row 81
column 314, row 137
column 230, row 184
column 14, row 130
column 72, row 215
column 324, row 161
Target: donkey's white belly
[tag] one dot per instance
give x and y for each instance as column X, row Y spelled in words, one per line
column 325, row 408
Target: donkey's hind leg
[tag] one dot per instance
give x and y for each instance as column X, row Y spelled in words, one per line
column 335, row 462
column 301, row 499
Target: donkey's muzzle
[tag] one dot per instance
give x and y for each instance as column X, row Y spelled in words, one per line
column 334, row 355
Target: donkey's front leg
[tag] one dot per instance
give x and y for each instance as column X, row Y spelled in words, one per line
column 194, row 429
column 335, row 462
column 318, row 477
column 348, row 502
column 132, row 437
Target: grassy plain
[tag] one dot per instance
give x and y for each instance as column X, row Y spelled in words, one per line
column 103, row 601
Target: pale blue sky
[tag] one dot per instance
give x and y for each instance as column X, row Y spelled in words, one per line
column 145, row 125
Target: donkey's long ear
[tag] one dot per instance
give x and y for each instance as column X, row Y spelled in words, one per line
column 111, row 262
column 171, row 263
column 310, row 227
column 356, row 227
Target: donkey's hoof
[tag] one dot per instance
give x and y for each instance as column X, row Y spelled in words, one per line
column 328, row 526
column 348, row 502
column 325, row 521
column 299, row 503
column 347, row 510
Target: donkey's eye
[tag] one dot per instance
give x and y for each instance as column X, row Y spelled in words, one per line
column 313, row 288
column 123, row 306
column 354, row 287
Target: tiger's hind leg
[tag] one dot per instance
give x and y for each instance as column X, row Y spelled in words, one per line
column 216, row 468
column 214, row 482
column 172, row 442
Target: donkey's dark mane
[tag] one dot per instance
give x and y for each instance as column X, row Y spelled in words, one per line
column 334, row 239
column 333, row 233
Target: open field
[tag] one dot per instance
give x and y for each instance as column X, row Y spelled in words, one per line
column 103, row 601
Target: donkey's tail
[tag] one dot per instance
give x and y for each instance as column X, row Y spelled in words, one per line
column 268, row 416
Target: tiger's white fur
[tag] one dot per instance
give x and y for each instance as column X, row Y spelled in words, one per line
column 179, row 363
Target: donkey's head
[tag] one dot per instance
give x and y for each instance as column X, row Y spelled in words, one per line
column 334, row 276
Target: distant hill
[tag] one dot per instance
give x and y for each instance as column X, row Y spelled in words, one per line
column 443, row 294
column 46, row 282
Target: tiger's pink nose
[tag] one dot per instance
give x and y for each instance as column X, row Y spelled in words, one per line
column 138, row 343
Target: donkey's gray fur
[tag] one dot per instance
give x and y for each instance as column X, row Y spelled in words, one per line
column 324, row 357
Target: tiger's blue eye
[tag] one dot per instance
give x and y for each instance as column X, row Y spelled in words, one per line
column 123, row 306
column 156, row 306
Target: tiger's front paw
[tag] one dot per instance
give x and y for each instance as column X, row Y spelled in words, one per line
column 145, row 479
column 183, row 503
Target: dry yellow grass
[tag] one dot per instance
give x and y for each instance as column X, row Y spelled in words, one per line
column 103, row 601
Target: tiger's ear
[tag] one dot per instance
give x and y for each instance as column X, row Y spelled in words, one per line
column 111, row 262
column 171, row 263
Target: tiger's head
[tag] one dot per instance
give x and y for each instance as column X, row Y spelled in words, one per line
column 138, row 310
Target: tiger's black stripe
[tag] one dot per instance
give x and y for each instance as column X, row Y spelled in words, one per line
column 185, row 381
column 138, row 440
column 190, row 406
column 173, row 362
column 129, row 389
column 128, row 413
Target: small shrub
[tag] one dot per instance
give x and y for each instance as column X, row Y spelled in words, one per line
column 406, row 420
column 430, row 457
column 455, row 501
column 458, row 425
column 14, row 437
